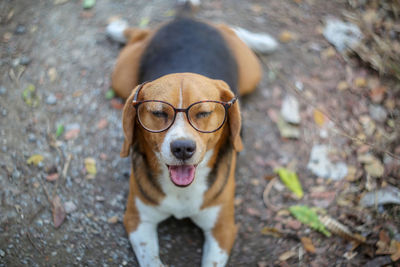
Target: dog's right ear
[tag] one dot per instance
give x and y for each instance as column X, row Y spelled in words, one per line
column 128, row 123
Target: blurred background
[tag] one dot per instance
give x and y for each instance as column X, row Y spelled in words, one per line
column 318, row 181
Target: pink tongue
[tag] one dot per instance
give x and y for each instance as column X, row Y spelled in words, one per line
column 182, row 175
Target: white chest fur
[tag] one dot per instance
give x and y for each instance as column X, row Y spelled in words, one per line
column 184, row 202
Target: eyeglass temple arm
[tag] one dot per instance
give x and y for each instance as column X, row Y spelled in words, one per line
column 232, row 101
column 137, row 92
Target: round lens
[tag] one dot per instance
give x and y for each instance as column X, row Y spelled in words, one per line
column 155, row 116
column 207, row 116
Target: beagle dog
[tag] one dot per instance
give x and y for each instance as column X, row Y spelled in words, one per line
column 181, row 123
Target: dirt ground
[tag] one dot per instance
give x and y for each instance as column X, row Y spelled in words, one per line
column 63, row 51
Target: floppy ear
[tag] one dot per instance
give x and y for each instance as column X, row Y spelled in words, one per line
column 128, row 124
column 234, row 118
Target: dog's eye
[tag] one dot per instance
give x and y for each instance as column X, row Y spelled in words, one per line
column 203, row 114
column 160, row 114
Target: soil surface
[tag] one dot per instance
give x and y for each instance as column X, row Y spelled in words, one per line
column 62, row 50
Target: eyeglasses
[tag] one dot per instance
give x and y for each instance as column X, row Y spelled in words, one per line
column 205, row 116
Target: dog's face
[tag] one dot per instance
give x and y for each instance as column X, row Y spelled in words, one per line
column 181, row 148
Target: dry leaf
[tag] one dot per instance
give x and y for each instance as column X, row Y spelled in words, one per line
column 287, row 255
column 319, row 117
column 342, row 85
column 113, row 219
column 360, row 82
column 90, row 165
column 115, row 103
column 395, row 249
column 58, row 212
column 52, row 177
column 377, row 94
column 328, row 53
column 71, row 134
column 286, row 36
column 271, row 231
column 35, row 159
column 102, row 124
column 52, row 73
column 307, row 244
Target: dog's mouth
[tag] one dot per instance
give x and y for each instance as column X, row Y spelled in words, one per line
column 182, row 175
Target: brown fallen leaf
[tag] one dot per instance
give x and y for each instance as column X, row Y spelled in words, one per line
column 52, row 177
column 395, row 249
column 58, row 212
column 287, row 255
column 117, row 104
column 377, row 94
column 271, row 231
column 286, row 36
column 102, row 124
column 113, row 219
column 360, row 82
column 71, row 134
column 308, row 244
column 342, row 85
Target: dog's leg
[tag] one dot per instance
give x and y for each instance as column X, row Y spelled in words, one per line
column 126, row 71
column 141, row 222
column 218, row 225
column 145, row 244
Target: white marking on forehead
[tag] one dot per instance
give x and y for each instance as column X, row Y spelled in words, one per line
column 181, row 95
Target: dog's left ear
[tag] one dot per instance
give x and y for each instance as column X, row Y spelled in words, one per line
column 234, row 118
column 128, row 123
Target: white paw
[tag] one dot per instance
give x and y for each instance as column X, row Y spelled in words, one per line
column 193, row 2
column 115, row 30
column 258, row 42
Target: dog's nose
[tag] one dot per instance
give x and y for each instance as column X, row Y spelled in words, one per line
column 183, row 149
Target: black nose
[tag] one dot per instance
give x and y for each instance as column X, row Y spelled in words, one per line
column 183, row 149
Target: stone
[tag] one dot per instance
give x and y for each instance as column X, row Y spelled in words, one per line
column 320, row 165
column 377, row 112
column 3, row 90
column 290, row 110
column 342, row 35
column 51, row 99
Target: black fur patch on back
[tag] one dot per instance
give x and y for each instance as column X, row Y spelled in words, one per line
column 187, row 45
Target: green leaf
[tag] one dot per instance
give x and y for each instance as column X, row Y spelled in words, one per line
column 88, row 3
column 60, row 130
column 291, row 180
column 30, row 97
column 144, row 22
column 307, row 216
column 110, row 94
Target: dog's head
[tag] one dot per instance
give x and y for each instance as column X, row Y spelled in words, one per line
column 180, row 117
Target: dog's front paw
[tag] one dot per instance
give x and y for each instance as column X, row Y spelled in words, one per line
column 115, row 30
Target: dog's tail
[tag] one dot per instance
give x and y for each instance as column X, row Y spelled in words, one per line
column 187, row 8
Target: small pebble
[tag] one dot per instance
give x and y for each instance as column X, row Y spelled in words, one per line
column 31, row 138
column 24, row 60
column 2, row 253
column 51, row 99
column 21, row 29
column 3, row 90
column 4, row 112
column 377, row 112
column 69, row 207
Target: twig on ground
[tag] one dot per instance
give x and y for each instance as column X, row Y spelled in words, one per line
column 266, row 192
column 33, row 243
